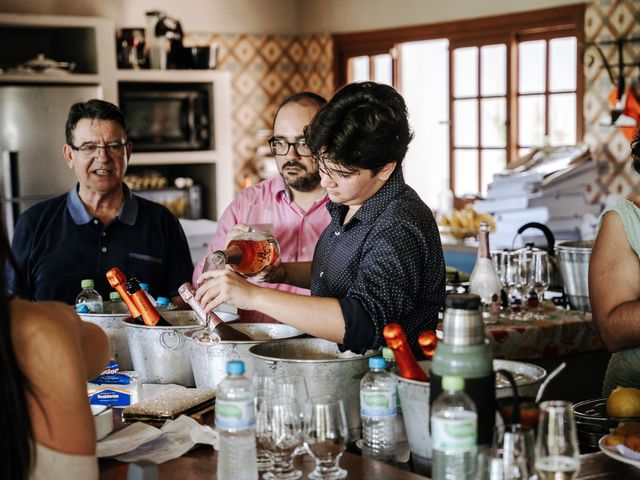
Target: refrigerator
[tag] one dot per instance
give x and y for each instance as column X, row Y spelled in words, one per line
column 32, row 125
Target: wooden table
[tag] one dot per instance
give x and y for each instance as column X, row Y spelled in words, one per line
column 201, row 464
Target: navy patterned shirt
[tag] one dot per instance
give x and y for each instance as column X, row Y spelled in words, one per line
column 385, row 265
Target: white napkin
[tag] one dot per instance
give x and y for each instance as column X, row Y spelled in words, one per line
column 144, row 442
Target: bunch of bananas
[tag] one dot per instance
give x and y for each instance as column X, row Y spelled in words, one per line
column 466, row 222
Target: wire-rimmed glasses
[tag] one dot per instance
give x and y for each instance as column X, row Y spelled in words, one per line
column 114, row 149
column 279, row 146
column 325, row 436
column 279, row 432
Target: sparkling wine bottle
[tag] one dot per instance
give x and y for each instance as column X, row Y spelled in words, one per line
column 118, row 281
column 407, row 364
column 149, row 313
column 215, row 323
column 249, row 254
column 428, row 340
column 484, row 280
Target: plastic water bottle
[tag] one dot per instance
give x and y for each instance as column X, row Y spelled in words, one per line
column 378, row 400
column 89, row 297
column 145, row 288
column 163, row 303
column 454, row 424
column 402, row 443
column 236, row 425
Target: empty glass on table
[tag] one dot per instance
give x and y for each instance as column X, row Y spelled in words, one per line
column 541, row 277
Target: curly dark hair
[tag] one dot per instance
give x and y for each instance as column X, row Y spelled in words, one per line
column 93, row 109
column 364, row 126
column 635, row 151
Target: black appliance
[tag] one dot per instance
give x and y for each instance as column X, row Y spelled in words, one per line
column 167, row 117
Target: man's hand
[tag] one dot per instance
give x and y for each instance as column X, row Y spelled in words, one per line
column 224, row 286
column 237, row 229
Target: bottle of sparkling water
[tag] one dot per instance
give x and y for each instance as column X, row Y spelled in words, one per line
column 145, row 288
column 378, row 410
column 115, row 304
column 162, row 303
column 236, row 425
column 88, row 297
column 454, row 424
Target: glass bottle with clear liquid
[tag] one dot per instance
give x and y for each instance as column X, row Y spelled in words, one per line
column 248, row 254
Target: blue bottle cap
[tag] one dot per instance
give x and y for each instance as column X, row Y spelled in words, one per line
column 163, row 301
column 82, row 308
column 235, row 367
column 144, row 286
column 377, row 362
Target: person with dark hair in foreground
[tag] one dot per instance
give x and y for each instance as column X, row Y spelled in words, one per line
column 293, row 202
column 47, row 354
column 614, row 286
column 99, row 224
column 380, row 259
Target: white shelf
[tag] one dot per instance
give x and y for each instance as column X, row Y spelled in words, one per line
column 72, row 78
column 168, row 76
column 174, row 158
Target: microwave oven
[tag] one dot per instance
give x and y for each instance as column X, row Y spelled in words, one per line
column 167, row 117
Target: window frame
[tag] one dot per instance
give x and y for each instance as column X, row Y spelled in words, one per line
column 509, row 29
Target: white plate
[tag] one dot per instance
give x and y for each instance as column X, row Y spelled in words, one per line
column 615, row 454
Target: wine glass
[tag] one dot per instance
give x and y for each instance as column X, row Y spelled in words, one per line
column 259, row 219
column 295, row 387
column 325, row 436
column 263, row 386
column 495, row 464
column 541, row 277
column 279, row 432
column 522, row 282
column 556, row 452
column 517, row 444
column 507, row 271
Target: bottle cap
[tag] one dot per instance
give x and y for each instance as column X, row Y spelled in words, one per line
column 87, row 283
column 114, row 296
column 163, row 301
column 388, row 354
column 144, row 286
column 82, row 308
column 452, row 383
column 377, row 362
column 235, row 367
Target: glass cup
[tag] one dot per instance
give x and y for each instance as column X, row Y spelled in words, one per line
column 556, row 453
column 325, row 436
column 263, row 387
column 517, row 443
column 296, row 388
column 259, row 219
column 494, row 464
column 279, row 432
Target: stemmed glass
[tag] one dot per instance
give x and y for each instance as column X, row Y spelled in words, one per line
column 557, row 453
column 279, row 432
column 507, row 272
column 522, row 281
column 263, row 386
column 540, row 276
column 516, row 442
column 295, row 387
column 495, row 464
column 325, row 436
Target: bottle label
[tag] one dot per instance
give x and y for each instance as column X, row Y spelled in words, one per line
column 454, row 434
column 235, row 414
column 94, row 307
column 378, row 404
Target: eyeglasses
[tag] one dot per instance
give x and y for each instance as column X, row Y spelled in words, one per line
column 115, row 149
column 279, row 146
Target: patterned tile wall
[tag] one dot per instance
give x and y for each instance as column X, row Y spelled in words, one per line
column 609, row 20
column 265, row 69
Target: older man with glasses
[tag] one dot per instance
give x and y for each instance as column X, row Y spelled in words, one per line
column 293, row 202
column 99, row 224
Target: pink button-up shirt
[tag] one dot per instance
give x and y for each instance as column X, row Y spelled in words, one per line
column 297, row 231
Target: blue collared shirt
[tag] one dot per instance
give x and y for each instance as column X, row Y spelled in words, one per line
column 385, row 265
column 57, row 243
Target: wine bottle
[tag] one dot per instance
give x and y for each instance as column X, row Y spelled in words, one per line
column 407, row 365
column 428, row 340
column 484, row 280
column 118, row 281
column 150, row 315
column 215, row 323
column 248, row 254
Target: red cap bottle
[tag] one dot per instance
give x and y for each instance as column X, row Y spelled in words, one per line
column 407, row 364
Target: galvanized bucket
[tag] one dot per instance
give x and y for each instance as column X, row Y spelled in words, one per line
column 327, row 370
column 112, row 325
column 209, row 362
column 414, row 399
column 573, row 258
column 160, row 354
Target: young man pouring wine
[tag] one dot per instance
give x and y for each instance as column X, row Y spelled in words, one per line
column 380, row 259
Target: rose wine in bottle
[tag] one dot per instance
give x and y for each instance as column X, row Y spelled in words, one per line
column 215, row 323
column 118, row 281
column 484, row 280
column 150, row 315
column 407, row 365
column 428, row 340
column 248, row 254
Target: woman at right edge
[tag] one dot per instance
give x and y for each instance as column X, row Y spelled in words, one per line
column 380, row 259
column 614, row 286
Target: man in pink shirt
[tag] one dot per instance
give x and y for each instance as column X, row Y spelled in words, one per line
column 293, row 202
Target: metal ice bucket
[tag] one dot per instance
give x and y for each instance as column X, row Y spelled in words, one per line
column 414, row 399
column 112, row 325
column 326, row 369
column 160, row 354
column 209, row 362
column 574, row 266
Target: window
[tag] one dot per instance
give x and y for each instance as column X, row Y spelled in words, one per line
column 513, row 82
